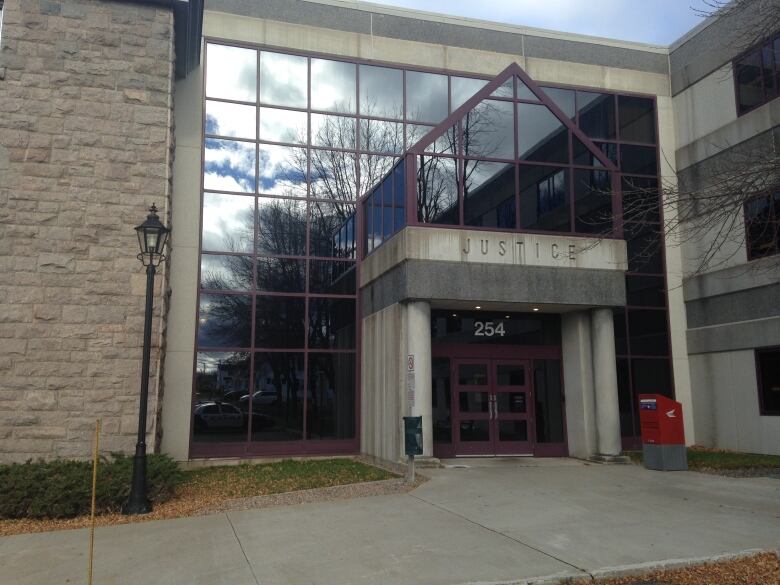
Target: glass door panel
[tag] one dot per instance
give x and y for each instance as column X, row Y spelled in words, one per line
column 512, row 405
column 473, row 414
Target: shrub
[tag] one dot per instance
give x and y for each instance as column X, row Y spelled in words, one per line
column 63, row 488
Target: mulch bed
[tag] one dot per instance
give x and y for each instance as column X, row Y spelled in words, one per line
column 196, row 498
column 761, row 569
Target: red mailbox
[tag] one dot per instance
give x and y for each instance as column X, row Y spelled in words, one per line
column 663, row 433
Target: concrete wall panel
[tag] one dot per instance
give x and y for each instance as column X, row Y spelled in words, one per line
column 727, row 381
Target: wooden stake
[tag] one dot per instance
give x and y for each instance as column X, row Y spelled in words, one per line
column 95, row 453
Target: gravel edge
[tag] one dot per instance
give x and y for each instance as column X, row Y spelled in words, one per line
column 637, row 570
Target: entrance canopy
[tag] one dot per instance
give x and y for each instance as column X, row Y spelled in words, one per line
column 507, row 159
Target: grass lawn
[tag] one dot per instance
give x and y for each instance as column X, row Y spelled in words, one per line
column 713, row 460
column 205, row 488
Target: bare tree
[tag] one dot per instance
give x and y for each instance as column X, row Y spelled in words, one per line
column 749, row 21
column 715, row 207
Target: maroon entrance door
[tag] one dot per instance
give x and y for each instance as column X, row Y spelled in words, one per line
column 492, row 407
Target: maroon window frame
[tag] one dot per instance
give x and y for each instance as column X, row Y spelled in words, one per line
column 771, row 227
column 226, row 449
column 766, row 56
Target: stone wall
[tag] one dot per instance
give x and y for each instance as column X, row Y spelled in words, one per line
column 85, row 148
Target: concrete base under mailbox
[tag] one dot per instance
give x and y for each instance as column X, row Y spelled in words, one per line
column 665, row 457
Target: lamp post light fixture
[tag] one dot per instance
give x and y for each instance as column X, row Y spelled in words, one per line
column 152, row 236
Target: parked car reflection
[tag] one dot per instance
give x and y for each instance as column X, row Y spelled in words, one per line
column 217, row 416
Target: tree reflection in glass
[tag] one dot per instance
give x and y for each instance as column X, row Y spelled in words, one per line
column 281, row 227
column 226, row 272
column 277, row 397
column 437, row 190
column 225, row 321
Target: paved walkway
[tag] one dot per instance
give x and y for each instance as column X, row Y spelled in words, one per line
column 503, row 520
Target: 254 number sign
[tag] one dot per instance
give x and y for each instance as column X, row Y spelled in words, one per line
column 488, row 329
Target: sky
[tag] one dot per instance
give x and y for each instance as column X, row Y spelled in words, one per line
column 659, row 22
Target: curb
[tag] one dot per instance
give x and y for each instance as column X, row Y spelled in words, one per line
column 638, row 570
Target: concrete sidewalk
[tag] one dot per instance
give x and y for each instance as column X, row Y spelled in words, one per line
column 501, row 520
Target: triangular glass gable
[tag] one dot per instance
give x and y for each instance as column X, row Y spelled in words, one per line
column 510, row 158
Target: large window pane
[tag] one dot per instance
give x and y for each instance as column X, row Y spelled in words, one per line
column 437, row 190
column 750, row 90
column 333, row 131
column 281, row 226
column 426, row 96
column 768, row 69
column 626, row 401
column 283, row 80
column 333, row 86
column 647, row 332
column 227, row 223
column 331, row 396
column 621, row 333
column 640, row 199
column 282, row 170
column 331, row 323
column 327, row 220
column 332, row 277
column 221, row 376
column 489, row 194
column 544, row 198
column 229, row 165
column 761, row 229
column 281, row 275
column 541, row 135
column 225, row 119
column 333, row 175
column 226, row 272
column 381, row 92
column 415, row 133
column 769, row 381
column 636, row 117
column 644, row 248
column 373, row 168
column 279, row 322
column 646, row 291
column 381, row 136
column 651, row 376
column 596, row 114
column 224, row 320
column 445, row 143
column 488, row 130
column 277, row 397
column 564, row 99
column 592, row 201
column 638, row 159
column 283, row 125
column 232, row 73
column 507, row 90
column 221, row 379
column 463, row 88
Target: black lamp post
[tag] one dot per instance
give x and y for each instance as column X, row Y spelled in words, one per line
column 152, row 235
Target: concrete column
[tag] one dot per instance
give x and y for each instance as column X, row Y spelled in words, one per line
column 419, row 345
column 578, row 376
column 605, row 382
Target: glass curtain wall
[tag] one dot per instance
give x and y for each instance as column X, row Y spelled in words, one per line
column 292, row 141
column 624, row 128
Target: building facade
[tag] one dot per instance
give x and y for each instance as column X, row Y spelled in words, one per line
column 375, row 213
